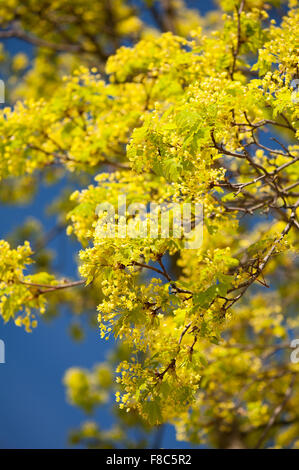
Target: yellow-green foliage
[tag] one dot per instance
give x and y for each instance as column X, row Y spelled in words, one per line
column 179, row 119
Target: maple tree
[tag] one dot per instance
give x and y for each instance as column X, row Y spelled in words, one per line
column 202, row 111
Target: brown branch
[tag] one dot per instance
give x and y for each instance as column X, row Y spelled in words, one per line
column 50, row 287
column 15, row 32
column 277, row 411
column 266, row 259
column 239, row 41
column 171, row 365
